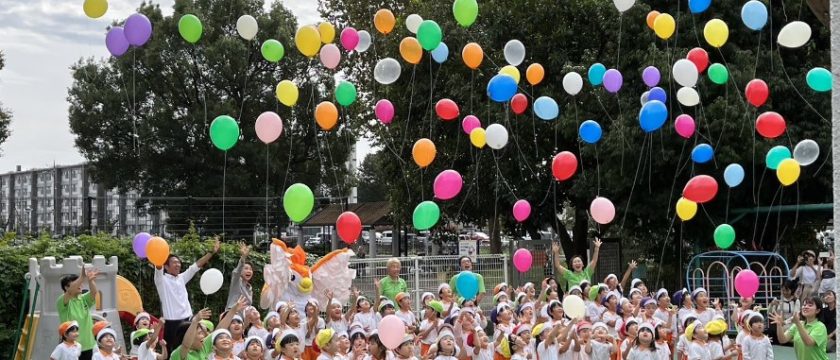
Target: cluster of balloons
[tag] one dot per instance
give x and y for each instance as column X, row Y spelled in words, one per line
column 154, row 248
column 136, row 31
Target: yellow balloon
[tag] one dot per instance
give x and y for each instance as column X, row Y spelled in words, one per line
column 664, row 26
column 478, row 137
column 308, row 40
column 686, row 209
column 512, row 71
column 287, row 93
column 788, row 171
column 327, row 32
column 716, row 32
column 95, row 8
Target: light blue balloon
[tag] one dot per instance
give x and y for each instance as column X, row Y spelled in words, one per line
column 754, row 14
column 698, row 6
column 596, row 74
column 590, row 131
column 733, row 175
column 501, row 88
column 440, row 53
column 776, row 155
column 658, row 93
column 467, row 284
column 653, row 115
column 546, row 108
column 702, row 153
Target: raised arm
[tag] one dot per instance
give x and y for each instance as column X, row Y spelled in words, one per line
column 627, row 274
column 189, row 337
column 378, row 285
column 558, row 268
column 206, row 258
column 91, row 277
column 237, row 308
column 594, row 262
column 779, row 320
column 77, row 282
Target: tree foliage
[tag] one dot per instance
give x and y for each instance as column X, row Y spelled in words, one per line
column 5, row 114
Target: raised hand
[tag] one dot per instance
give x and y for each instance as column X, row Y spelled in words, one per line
column 244, row 249
column 217, row 245
column 204, row 314
column 377, row 284
column 796, row 317
column 555, row 248
column 328, row 293
column 240, row 304
column 92, row 273
column 777, row 318
column 597, row 243
column 633, row 264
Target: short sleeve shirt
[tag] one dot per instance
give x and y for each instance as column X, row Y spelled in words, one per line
column 201, row 354
column 818, row 332
column 391, row 287
column 64, row 351
column 575, row 278
column 454, row 282
column 78, row 309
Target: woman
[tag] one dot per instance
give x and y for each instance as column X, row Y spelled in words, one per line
column 787, row 304
column 578, row 272
column 828, row 316
column 809, row 337
column 827, row 277
column 808, row 273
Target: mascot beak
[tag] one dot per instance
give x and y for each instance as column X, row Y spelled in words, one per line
column 305, row 286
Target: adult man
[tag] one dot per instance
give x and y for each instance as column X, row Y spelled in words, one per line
column 74, row 305
column 467, row 265
column 171, row 286
column 240, row 280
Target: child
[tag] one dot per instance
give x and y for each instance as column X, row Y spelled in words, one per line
column 696, row 336
column 663, row 311
column 444, row 348
column 626, row 314
column 335, row 319
column 365, row 315
column 583, row 344
column 328, row 344
column 718, row 343
column 314, row 324
column 610, row 317
column 595, row 309
column 743, row 327
column 146, row 340
column 254, row 349
column 685, row 307
column 478, row 345
column 603, row 345
column 405, row 351
column 141, row 322
column 237, row 333
column 343, row 345
column 289, row 345
column 429, row 326
column 68, row 349
column 358, row 344
column 649, row 306
column 222, row 345
column 663, row 339
column 255, row 326
column 385, row 308
column 107, row 342
column 640, row 285
column 683, row 341
column 405, row 314
column 525, row 313
column 630, row 332
column 523, row 332
column 545, row 338
column 756, row 346
column 446, row 298
column 644, row 347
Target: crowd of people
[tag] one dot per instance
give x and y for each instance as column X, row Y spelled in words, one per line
column 623, row 320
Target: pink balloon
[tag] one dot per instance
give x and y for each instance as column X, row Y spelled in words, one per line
column 269, row 126
column 470, row 123
column 384, row 111
column 448, row 184
column 521, row 210
column 685, row 125
column 522, row 260
column 349, row 38
column 602, row 210
column 391, row 331
column 330, row 56
column 746, row 283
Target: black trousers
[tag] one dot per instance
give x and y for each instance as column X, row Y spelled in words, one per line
column 86, row 355
column 171, row 334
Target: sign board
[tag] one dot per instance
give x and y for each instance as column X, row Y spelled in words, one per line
column 468, row 248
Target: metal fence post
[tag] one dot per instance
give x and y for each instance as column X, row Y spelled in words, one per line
column 505, row 266
column 417, row 292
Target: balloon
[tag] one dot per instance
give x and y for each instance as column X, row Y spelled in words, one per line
column 746, row 283
column 806, row 152
column 535, row 74
column 546, row 108
column 384, row 111
column 391, row 331
column 658, row 93
column 733, row 175
column 788, row 172
column 287, row 93
column 511, row 71
column 651, row 17
column 564, row 165
column 448, row 184
column 519, row 103
column 470, row 123
column 429, row 34
column 95, row 8
column 514, row 52
column 590, row 131
column 770, row 125
column 521, row 210
column 349, row 38
column 116, row 42
column 269, row 127
column 308, row 40
column 602, row 210
column 651, row 76
column 465, row 11
column 699, row 57
column 473, row 55
column 138, row 29
column 596, row 74
column 326, row 115
column 685, row 73
column 664, row 26
column 819, row 79
column 384, row 21
column 522, row 260
column 298, row 201
column 157, row 250
column 139, row 244
column 272, row 51
column 440, row 53
column 716, row 32
column 327, row 32
column 330, row 55
column 794, row 34
column 757, row 92
column 700, row 189
column 364, row 41
column 387, row 71
column 724, row 236
column 684, row 124
column 349, row 227
column 345, row 93
column 211, row 281
column 478, row 137
column 702, row 153
column 497, row 136
column 688, row 96
column 247, row 27
column 653, row 115
column 686, row 209
column 426, row 215
column 645, row 97
column 573, row 83
column 411, row 51
column 447, row 109
column 718, row 74
column 190, row 28
column 467, row 284
column 754, row 14
column 623, row 5
column 776, row 155
column 698, row 6
column 501, row 88
column 412, row 23
column 574, row 307
column 613, row 80
column 423, row 152
column 224, row 132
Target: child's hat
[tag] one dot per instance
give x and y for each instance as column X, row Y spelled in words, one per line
column 62, row 329
column 104, row 332
column 141, row 316
column 324, row 337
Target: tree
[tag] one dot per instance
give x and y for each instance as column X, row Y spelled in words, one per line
column 5, row 115
column 372, row 180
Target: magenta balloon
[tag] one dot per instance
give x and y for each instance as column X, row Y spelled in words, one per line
column 384, row 111
column 651, row 76
column 139, row 244
column 746, row 283
column 330, row 56
column 602, row 210
column 391, row 331
column 138, row 29
column 448, row 184
column 521, row 210
column 522, row 260
column 349, row 39
column 613, row 80
column 470, row 123
column 684, row 124
column 116, row 42
column 269, row 126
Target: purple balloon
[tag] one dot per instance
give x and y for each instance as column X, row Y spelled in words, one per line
column 116, row 42
column 613, row 80
column 138, row 29
column 139, row 244
column 651, row 76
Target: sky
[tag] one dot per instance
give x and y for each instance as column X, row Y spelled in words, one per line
column 41, row 40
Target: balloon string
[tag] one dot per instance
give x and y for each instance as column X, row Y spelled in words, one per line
column 676, row 174
column 534, row 130
column 769, row 214
column 268, row 235
column 134, row 102
column 664, row 245
column 224, row 183
column 728, row 191
column 796, row 89
column 633, row 187
column 410, row 105
column 618, row 50
column 597, row 172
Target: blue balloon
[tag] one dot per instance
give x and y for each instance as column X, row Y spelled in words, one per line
column 776, row 155
column 658, row 93
column 501, row 88
column 754, row 14
column 440, row 53
column 467, row 285
column 698, row 6
column 596, row 74
column 653, row 115
column 590, row 131
column 702, row 153
column 733, row 175
column 546, row 108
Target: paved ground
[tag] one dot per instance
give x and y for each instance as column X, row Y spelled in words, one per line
column 786, row 353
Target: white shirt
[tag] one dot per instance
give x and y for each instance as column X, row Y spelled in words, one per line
column 483, row 354
column 600, row 351
column 807, row 275
column 513, row 357
column 755, row 349
column 367, row 320
column 324, row 356
column 682, row 345
column 172, row 291
column 663, row 351
column 261, row 333
column 706, row 315
column 696, row 351
column 432, row 336
column 406, row 316
column 66, row 352
column 636, row 354
column 339, row 326
column 611, row 316
column 594, row 311
column 97, row 355
column 144, row 353
column 213, row 357
column 547, row 353
column 318, row 327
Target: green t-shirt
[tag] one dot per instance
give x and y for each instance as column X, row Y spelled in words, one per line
column 574, row 278
column 78, row 309
column 390, row 288
column 819, row 333
column 454, row 281
column 200, row 354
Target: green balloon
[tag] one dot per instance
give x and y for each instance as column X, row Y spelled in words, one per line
column 724, row 236
column 429, row 35
column 272, row 50
column 776, row 155
column 718, row 74
column 190, row 28
column 298, row 202
column 465, row 12
column 224, row 132
column 819, row 79
column 426, row 215
column 345, row 93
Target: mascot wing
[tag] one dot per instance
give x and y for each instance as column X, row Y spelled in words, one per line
column 277, row 275
column 334, row 273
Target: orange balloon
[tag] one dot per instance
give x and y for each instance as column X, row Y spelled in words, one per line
column 157, row 250
column 384, row 21
column 326, row 115
column 535, row 74
column 424, row 152
column 472, row 55
column 651, row 16
column 410, row 50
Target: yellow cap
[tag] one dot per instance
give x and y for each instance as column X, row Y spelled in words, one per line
column 324, row 337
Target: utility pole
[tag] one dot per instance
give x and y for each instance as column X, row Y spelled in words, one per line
column 835, row 130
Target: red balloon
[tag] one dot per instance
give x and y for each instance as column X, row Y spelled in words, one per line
column 770, row 125
column 349, row 227
column 447, row 109
column 519, row 103
column 757, row 92
column 701, row 189
column 700, row 58
column 564, row 165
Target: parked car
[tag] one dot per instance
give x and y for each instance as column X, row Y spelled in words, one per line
column 313, row 241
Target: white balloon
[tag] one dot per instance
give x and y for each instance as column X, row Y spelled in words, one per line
column 806, row 152
column 574, row 306
column 644, row 98
column 514, row 52
column 364, row 41
column 387, row 71
column 247, row 27
column 685, row 73
column 330, row 56
column 412, row 22
column 623, row 5
column 572, row 83
column 794, row 34
column 497, row 136
column 688, row 96
column 211, row 281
